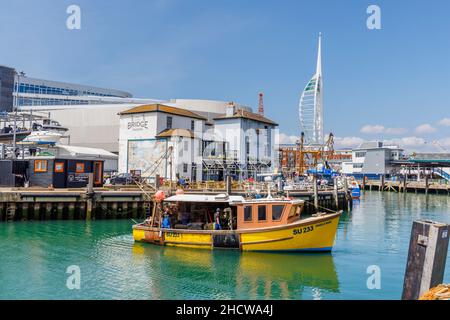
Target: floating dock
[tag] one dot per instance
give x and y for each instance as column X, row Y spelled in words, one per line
column 408, row 186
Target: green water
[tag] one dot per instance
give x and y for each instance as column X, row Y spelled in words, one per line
column 34, row 257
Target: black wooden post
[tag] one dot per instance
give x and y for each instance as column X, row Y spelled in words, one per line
column 426, row 258
column 405, row 177
column 336, row 194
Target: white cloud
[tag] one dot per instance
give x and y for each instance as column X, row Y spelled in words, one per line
column 377, row 129
column 407, row 142
column 395, row 131
column 372, row 129
column 444, row 142
column 347, row 142
column 444, row 122
column 425, row 128
column 287, row 139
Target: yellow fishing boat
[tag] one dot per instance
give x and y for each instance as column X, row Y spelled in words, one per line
column 233, row 222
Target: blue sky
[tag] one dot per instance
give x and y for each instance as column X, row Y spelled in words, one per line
column 391, row 84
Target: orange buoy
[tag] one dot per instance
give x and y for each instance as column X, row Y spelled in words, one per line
column 160, row 196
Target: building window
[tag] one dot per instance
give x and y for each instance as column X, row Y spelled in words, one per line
column 358, row 165
column 59, row 167
column 185, row 167
column 169, row 123
column 277, row 211
column 248, row 214
column 262, row 213
column 193, row 125
column 40, row 166
column 360, row 154
column 247, row 146
column 79, row 167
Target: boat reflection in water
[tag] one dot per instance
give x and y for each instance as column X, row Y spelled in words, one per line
column 182, row 273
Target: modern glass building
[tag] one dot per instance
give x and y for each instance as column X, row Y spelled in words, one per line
column 19, row 90
column 6, row 88
column 310, row 109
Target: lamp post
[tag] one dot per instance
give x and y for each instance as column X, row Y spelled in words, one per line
column 15, row 105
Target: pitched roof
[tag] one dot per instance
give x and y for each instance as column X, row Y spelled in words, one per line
column 247, row 115
column 176, row 133
column 163, row 108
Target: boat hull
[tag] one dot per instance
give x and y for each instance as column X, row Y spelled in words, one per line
column 312, row 234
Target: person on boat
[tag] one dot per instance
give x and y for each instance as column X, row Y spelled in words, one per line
column 166, row 218
column 182, row 182
column 217, row 225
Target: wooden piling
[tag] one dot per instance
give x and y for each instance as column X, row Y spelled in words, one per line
column 426, row 258
column 157, row 184
column 71, row 211
column 134, row 210
column 382, row 182
column 90, row 197
column 316, row 194
column 229, row 185
column 405, row 176
column 335, row 194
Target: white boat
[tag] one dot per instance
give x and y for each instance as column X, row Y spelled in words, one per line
column 43, row 137
column 53, row 126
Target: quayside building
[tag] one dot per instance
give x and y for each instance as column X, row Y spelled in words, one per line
column 172, row 142
column 90, row 113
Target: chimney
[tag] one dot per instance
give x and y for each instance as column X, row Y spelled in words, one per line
column 231, row 108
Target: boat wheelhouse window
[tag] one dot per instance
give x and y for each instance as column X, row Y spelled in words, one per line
column 40, row 166
column 248, row 213
column 295, row 211
column 277, row 211
column 262, row 213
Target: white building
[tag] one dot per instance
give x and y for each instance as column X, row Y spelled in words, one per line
column 373, row 158
column 160, row 139
column 97, row 125
column 250, row 140
column 172, row 142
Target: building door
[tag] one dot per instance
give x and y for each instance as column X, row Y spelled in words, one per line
column 194, row 172
column 98, row 173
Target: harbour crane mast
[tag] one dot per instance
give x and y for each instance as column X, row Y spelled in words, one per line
column 309, row 156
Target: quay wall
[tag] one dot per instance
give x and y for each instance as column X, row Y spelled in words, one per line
column 79, row 204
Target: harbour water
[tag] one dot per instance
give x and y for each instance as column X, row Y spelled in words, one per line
column 34, row 257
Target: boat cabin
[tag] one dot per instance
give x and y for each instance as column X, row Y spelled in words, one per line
column 198, row 212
